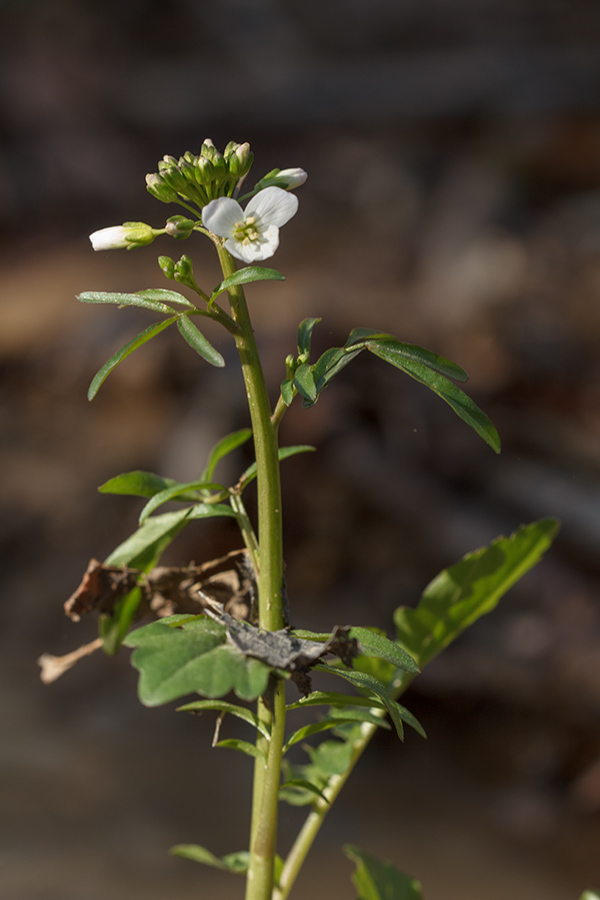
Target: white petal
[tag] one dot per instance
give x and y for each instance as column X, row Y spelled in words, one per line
column 222, row 215
column 273, row 206
column 255, row 250
column 292, row 177
column 113, row 238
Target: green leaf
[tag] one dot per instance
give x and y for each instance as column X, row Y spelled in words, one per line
column 198, row 342
column 231, row 862
column 374, row 644
column 360, row 335
column 287, row 391
column 165, row 296
column 376, row 880
column 243, row 747
column 590, row 895
column 462, row 405
column 113, row 628
column 176, row 657
column 239, row 711
column 124, row 352
column 245, row 276
column 331, row 757
column 136, row 484
column 333, row 722
column 305, row 330
column 393, row 348
column 331, row 364
column 184, row 492
column 470, row 589
column 146, row 302
column 293, row 791
column 304, row 383
column 283, row 453
column 223, row 447
column 140, row 548
column 362, row 680
column 333, row 698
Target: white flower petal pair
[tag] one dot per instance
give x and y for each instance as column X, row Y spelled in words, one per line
column 251, row 234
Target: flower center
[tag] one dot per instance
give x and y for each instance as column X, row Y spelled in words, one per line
column 246, row 232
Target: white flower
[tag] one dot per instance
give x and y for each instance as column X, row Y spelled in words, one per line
column 120, row 237
column 252, row 234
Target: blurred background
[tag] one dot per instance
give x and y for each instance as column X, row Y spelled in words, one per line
column 453, row 199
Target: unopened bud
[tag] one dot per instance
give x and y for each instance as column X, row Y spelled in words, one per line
column 179, row 227
column 125, row 236
column 168, row 266
column 292, row 178
column 184, row 271
column 156, row 185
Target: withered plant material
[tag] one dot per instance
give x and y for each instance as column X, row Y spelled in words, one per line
column 55, row 666
column 282, row 649
column 168, row 590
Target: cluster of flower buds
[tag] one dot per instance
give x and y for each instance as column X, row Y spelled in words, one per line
column 202, row 178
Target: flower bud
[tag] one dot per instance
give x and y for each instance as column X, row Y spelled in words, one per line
column 155, row 185
column 184, row 271
column 168, row 266
column 292, row 178
column 179, row 227
column 118, row 237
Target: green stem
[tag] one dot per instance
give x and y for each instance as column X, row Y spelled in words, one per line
column 259, row 883
column 315, row 819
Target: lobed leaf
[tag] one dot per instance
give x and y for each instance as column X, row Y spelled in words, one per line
column 141, row 338
column 462, row 405
column 458, row 596
column 198, row 342
column 376, row 880
column 223, row 447
column 246, row 276
column 176, row 657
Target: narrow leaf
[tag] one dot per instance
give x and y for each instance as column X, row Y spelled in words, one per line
column 147, row 536
column 374, row 644
column 420, row 355
column 287, row 391
column 331, row 364
column 300, row 784
column 333, row 698
column 223, row 447
column 334, row 722
column 165, row 296
column 305, row 330
column 184, row 492
column 136, row 484
column 245, row 276
column 462, row 405
column 283, row 453
column 458, row 596
column 198, row 342
column 359, row 335
column 237, row 863
column 239, row 711
column 243, row 747
column 376, row 880
column 124, row 352
column 304, row 382
column 126, row 300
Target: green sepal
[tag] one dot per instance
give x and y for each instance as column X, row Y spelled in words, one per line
column 376, row 880
column 246, row 276
column 472, row 587
column 305, row 330
column 124, row 352
column 221, row 706
column 182, row 492
column 198, row 342
column 223, row 447
column 182, row 655
column 462, row 404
